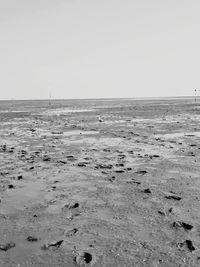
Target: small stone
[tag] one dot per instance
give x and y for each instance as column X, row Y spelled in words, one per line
column 32, row 239
column 147, row 191
column 10, row 186
column 84, row 259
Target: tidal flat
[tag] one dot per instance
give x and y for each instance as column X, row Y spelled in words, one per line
column 106, row 183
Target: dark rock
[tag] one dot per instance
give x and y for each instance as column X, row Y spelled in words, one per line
column 46, row 158
column 62, row 162
column 106, row 150
column 19, row 177
column 104, row 166
column 147, row 191
column 71, row 158
column 111, row 179
column 32, row 239
column 128, row 169
column 10, row 186
column 187, row 226
column 119, row 171
column 120, row 165
column 82, row 164
column 56, row 132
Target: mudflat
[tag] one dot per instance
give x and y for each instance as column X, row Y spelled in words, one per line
column 100, row 183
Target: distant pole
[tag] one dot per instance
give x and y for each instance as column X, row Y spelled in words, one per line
column 50, row 98
column 195, row 93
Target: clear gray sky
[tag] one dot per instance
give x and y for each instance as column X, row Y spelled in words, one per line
column 99, row 48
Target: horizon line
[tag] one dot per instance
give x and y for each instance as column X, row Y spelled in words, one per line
column 103, row 98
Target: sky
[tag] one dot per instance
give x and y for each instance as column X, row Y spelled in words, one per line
column 99, row 48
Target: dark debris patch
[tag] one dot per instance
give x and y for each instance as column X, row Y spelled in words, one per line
column 56, row 244
column 143, row 172
column 173, row 197
column 72, row 205
column 71, row 232
column 7, row 246
column 188, row 244
column 184, row 225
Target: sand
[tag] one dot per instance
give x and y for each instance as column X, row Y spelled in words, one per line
column 100, row 183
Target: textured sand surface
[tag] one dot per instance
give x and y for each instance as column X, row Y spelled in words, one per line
column 100, row 183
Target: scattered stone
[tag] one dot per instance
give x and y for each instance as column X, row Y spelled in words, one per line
column 23, row 152
column 19, row 177
column 10, row 186
column 56, row 132
column 32, row 239
column 71, row 158
column 170, row 210
column 128, row 169
column 193, row 145
column 11, row 150
column 106, row 150
column 3, row 148
column 147, row 191
column 46, row 158
column 104, row 166
column 62, row 162
column 154, row 156
column 120, row 165
column 191, row 154
column 111, row 179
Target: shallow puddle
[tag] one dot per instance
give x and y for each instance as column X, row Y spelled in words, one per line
column 18, row 198
column 66, row 111
column 181, row 134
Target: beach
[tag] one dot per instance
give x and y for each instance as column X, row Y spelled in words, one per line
column 110, row 182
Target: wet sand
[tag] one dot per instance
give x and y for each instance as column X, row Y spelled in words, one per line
column 100, row 183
